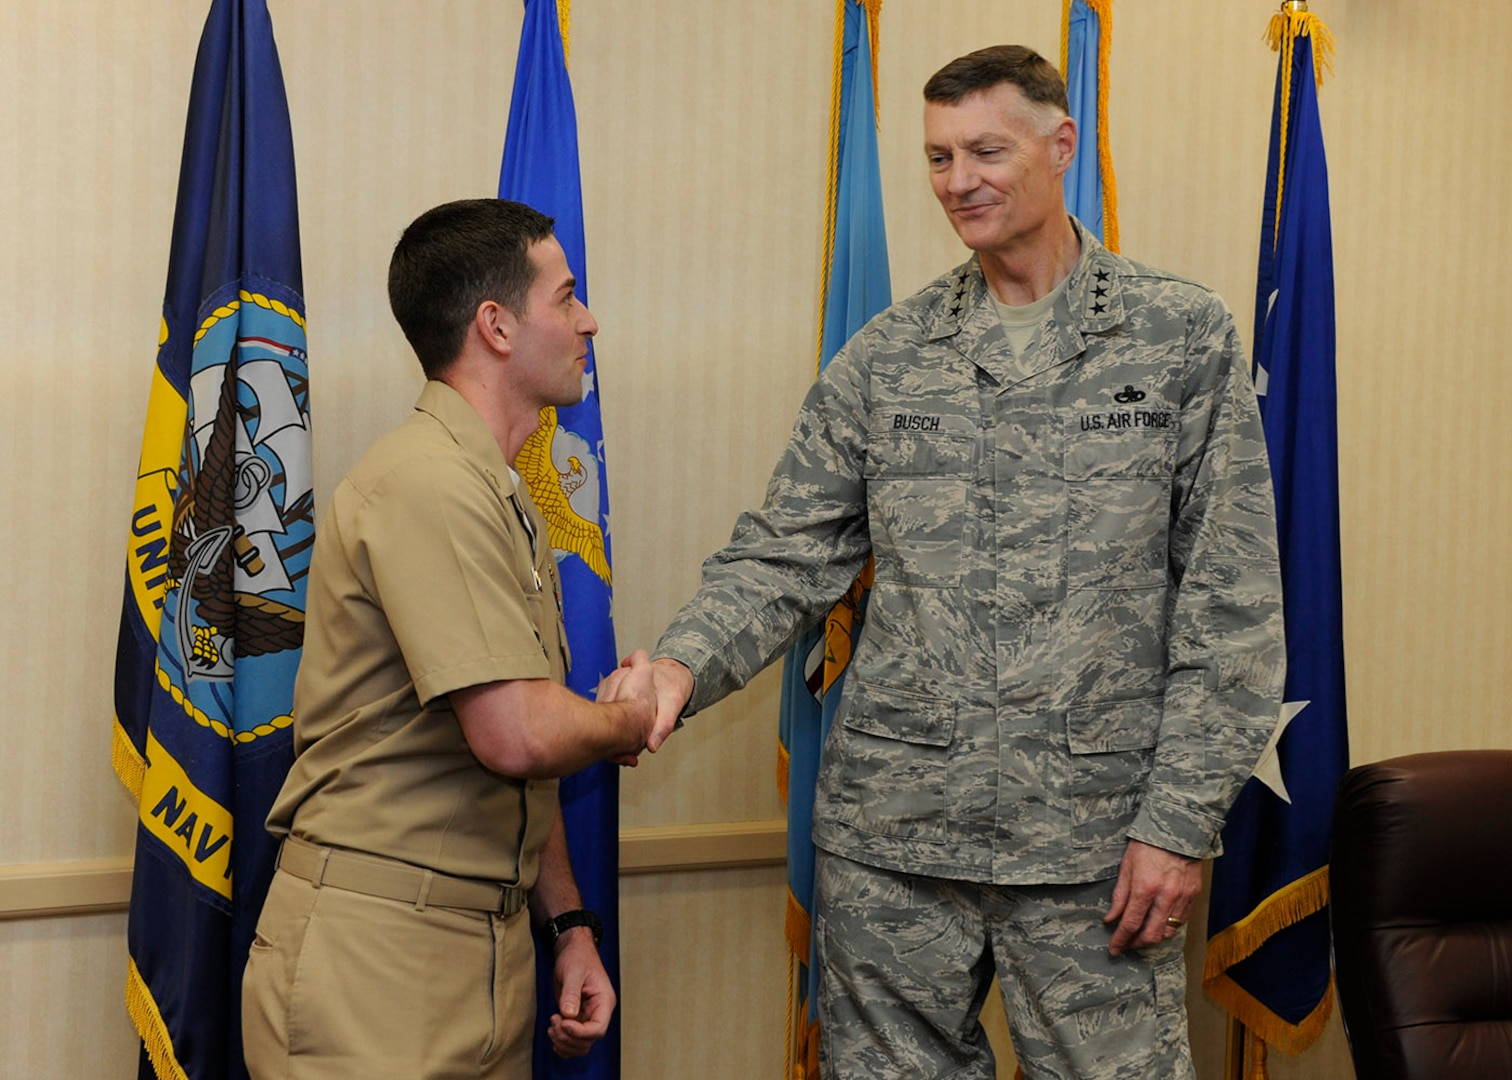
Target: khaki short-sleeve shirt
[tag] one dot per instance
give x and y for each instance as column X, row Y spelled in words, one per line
column 423, row 581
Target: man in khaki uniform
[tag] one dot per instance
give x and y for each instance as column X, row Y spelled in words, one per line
column 420, row 814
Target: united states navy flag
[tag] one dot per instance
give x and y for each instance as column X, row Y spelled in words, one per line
column 856, row 287
column 563, row 462
column 221, row 529
column 1086, row 46
column 1268, row 956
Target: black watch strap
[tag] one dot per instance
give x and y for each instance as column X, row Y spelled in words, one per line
column 554, row 928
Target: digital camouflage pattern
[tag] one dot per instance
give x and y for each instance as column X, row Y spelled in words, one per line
column 907, row 962
column 1075, row 635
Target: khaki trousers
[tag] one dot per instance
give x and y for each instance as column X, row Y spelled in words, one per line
column 339, row 984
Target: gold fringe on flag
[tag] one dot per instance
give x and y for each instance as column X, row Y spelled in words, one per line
column 1103, row 9
column 144, row 1014
column 832, row 179
column 1285, row 27
column 128, row 764
column 797, row 927
column 873, row 24
column 1265, row 1027
column 783, row 769
column 1306, row 896
column 564, row 20
column 874, row 40
column 802, row 1059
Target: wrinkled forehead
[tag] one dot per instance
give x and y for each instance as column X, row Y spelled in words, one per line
column 997, row 110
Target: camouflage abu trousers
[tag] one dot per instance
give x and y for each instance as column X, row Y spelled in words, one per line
column 906, row 963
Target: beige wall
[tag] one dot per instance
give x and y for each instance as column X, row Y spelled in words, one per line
column 703, row 127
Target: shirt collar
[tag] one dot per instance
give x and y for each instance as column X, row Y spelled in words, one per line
column 462, row 422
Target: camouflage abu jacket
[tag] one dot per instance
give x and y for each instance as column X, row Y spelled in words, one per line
column 1075, row 635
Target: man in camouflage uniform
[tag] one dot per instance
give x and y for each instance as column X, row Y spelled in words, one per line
column 1072, row 656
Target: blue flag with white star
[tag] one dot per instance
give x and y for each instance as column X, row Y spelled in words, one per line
column 858, row 287
column 219, row 546
column 563, row 462
column 1268, row 954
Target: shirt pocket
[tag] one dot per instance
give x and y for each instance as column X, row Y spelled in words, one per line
column 1112, row 747
column 1118, row 501
column 894, row 757
column 916, row 484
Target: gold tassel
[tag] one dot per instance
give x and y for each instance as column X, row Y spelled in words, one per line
column 802, row 1058
column 874, row 39
column 149, row 1024
column 806, row 1065
column 1266, row 1025
column 828, row 252
column 783, row 767
column 797, row 926
column 1306, row 896
column 128, row 764
column 1065, row 40
column 564, row 20
column 873, row 26
column 1292, row 903
column 787, row 1057
column 1285, row 27
column 1103, row 9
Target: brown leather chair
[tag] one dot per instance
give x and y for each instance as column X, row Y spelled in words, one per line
column 1420, row 882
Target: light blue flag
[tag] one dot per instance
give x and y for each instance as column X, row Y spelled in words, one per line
column 1268, row 949
column 564, row 465
column 221, row 530
column 1090, row 194
column 858, row 288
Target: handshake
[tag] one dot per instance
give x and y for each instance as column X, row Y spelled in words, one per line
column 652, row 693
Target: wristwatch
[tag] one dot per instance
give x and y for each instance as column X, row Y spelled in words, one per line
column 554, row 928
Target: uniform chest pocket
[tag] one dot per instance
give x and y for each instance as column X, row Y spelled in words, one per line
column 916, row 485
column 1118, row 500
column 546, row 622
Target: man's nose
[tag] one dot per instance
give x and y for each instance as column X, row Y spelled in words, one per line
column 962, row 176
column 588, row 325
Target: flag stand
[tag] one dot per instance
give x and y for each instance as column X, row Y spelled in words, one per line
column 1233, row 1051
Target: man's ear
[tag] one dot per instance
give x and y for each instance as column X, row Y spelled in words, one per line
column 495, row 325
column 1064, row 143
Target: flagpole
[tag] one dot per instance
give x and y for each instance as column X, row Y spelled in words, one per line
column 1233, row 1053
column 1236, row 1035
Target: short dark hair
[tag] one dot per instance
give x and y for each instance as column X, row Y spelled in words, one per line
column 1037, row 78
column 453, row 258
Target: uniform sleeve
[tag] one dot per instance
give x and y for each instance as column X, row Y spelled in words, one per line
column 441, row 555
column 1226, row 655
column 787, row 563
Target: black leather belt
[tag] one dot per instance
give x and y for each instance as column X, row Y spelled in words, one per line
column 375, row 876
